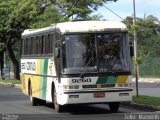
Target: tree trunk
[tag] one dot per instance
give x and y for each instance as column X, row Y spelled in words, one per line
column 16, row 70
column 1, row 63
column 14, row 60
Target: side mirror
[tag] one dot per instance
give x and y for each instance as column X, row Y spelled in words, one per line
column 131, row 51
column 57, row 52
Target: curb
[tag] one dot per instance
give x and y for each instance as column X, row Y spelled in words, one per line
column 11, row 85
column 17, row 86
column 140, row 106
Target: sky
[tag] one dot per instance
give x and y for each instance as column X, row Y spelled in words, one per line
column 124, row 8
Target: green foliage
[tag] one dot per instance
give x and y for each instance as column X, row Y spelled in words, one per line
column 134, row 27
column 148, row 35
column 79, row 8
column 148, row 42
column 17, row 15
column 87, row 17
column 48, row 17
column 139, row 60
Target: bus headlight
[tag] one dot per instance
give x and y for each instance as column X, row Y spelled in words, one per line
column 124, row 85
column 120, row 85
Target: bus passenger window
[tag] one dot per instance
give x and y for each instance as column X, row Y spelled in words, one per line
column 40, row 46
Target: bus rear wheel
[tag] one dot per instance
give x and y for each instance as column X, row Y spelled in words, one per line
column 58, row 107
column 114, row 106
column 33, row 100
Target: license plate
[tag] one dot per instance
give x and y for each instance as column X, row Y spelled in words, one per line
column 99, row 95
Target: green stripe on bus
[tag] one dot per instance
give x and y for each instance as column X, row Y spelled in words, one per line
column 102, row 80
column 106, row 80
column 111, row 79
column 43, row 80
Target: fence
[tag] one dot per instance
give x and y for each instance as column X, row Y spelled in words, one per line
column 150, row 67
column 6, row 73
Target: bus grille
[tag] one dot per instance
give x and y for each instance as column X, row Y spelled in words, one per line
column 98, row 86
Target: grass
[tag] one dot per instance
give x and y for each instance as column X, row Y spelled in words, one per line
column 11, row 81
column 147, row 100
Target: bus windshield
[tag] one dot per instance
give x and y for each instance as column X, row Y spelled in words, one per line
column 91, row 53
column 79, row 53
column 113, row 52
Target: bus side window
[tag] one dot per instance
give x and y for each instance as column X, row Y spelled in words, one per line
column 50, row 43
column 43, row 44
column 47, row 46
column 40, row 46
column 26, row 42
column 36, row 43
column 29, row 46
column 24, row 47
column 33, row 44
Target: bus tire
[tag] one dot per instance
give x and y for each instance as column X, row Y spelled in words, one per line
column 58, row 107
column 33, row 100
column 114, row 106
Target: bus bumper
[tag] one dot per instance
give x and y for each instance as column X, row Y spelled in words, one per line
column 94, row 96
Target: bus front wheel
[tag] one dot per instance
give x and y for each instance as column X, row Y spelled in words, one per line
column 33, row 100
column 58, row 108
column 114, row 106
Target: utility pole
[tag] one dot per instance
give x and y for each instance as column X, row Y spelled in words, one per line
column 136, row 70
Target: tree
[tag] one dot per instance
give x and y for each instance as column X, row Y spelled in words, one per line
column 80, row 8
column 148, row 34
column 15, row 17
column 19, row 15
column 6, row 33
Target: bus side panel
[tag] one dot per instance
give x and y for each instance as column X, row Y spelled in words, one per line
column 51, row 72
column 23, row 86
column 25, row 81
column 35, row 85
column 35, row 80
column 43, row 78
column 49, row 89
column 40, row 78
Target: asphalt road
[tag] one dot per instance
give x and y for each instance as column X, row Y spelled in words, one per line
column 15, row 105
column 149, row 89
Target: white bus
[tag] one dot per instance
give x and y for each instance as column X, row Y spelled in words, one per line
column 78, row 62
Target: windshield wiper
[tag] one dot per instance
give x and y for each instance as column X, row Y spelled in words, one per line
column 85, row 68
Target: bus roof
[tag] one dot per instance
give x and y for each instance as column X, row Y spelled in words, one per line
column 37, row 31
column 91, row 26
column 80, row 26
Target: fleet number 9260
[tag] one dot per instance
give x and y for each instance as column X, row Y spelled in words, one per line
column 81, row 80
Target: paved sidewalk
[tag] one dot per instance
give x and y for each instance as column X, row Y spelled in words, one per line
column 147, row 80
